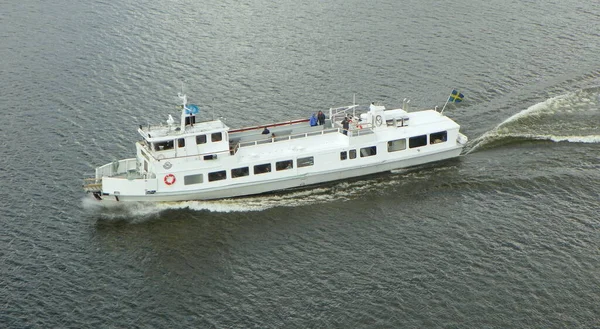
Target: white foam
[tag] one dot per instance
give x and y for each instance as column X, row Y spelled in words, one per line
column 342, row 191
column 544, row 107
column 576, row 139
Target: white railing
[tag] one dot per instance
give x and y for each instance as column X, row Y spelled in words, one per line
column 337, row 114
column 117, row 167
column 462, row 139
column 289, row 137
column 360, row 132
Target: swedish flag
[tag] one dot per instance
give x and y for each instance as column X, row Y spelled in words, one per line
column 455, row 97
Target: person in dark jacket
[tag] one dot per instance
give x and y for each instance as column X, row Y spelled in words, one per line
column 345, row 125
column 321, row 118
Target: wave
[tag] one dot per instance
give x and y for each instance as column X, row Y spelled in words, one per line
column 571, row 117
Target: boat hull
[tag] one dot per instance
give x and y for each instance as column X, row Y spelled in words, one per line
column 245, row 189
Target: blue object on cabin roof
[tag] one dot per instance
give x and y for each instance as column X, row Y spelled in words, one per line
column 192, row 109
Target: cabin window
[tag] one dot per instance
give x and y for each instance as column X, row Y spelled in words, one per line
column 396, row 145
column 181, row 142
column 352, row 154
column 240, row 172
column 343, row 155
column 305, row 162
column 262, row 169
column 284, row 165
column 190, row 120
column 440, row 137
column 368, row 151
column 192, row 179
column 216, row 137
column 417, row 141
column 146, row 166
column 163, row 146
column 210, row 157
column 217, row 175
column 201, row 139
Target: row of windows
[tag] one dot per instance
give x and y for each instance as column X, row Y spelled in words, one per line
column 397, row 145
column 392, row 146
column 214, row 137
column 364, row 152
column 245, row 171
column 417, row 141
column 200, row 139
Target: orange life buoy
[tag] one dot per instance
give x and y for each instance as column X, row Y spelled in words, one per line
column 169, row 179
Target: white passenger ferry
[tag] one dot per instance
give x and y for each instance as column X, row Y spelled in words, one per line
column 201, row 160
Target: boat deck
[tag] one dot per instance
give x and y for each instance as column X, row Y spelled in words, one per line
column 277, row 132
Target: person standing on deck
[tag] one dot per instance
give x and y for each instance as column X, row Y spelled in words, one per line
column 321, row 118
column 313, row 120
column 345, row 125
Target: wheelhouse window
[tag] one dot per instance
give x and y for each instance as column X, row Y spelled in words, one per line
column 163, row 146
column 368, row 151
column 192, row 179
column 284, row 165
column 439, row 137
column 262, row 169
column 190, row 120
column 305, row 162
column 217, row 175
column 396, row 145
column 181, row 142
column 201, row 139
column 216, row 137
column 417, row 141
column 352, row 154
column 343, row 155
column 240, row 172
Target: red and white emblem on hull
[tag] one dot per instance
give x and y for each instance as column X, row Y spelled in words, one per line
column 169, row 179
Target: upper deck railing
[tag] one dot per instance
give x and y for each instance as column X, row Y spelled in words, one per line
column 267, row 140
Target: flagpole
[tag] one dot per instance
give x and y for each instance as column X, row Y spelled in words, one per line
column 447, row 100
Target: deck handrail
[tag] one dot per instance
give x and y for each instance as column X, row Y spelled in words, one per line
column 288, row 137
column 163, row 157
column 270, row 125
column 117, row 167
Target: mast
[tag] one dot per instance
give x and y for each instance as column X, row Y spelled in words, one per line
column 183, row 98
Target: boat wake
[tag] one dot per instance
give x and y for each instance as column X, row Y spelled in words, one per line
column 572, row 117
column 146, row 210
column 330, row 193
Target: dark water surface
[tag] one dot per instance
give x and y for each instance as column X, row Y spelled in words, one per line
column 506, row 236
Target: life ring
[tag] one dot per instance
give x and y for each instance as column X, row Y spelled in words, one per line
column 378, row 120
column 170, row 179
